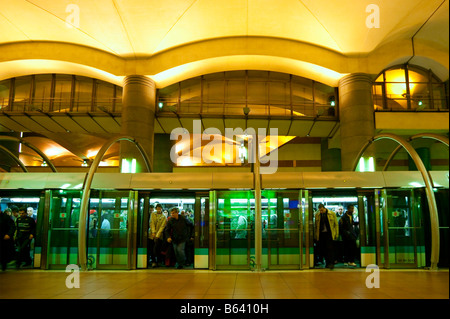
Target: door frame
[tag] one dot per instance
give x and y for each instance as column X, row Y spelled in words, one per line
column 131, row 227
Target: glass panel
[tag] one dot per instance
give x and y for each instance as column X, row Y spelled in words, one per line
column 118, row 102
column 33, row 204
column 419, row 96
column 396, row 96
column 213, row 96
column 22, row 93
column 377, row 92
column 337, row 202
column 186, row 206
column 257, row 97
column 83, row 94
column 63, row 90
column 401, row 227
column 202, row 237
column 279, row 98
column 417, row 76
column 235, row 229
column 4, row 94
column 397, row 75
column 442, row 203
column 201, row 228
column 63, row 230
column 302, row 97
column 280, row 222
column 235, row 97
column 439, row 100
column 104, row 96
column 108, row 242
column 190, row 96
column 324, row 95
column 42, row 92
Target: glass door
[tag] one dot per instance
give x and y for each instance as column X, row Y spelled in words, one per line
column 282, row 231
column 201, row 229
column 233, row 215
column 306, row 231
column 33, row 202
column 111, row 221
column 402, row 223
column 63, row 217
column 336, row 201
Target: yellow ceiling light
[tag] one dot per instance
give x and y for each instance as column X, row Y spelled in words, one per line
column 55, row 151
column 17, row 68
column 91, row 153
column 247, row 62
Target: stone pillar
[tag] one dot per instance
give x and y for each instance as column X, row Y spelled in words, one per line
column 138, row 116
column 356, row 116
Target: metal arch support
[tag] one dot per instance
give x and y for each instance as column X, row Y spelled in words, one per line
column 82, row 222
column 434, row 220
column 436, row 137
column 34, row 148
column 14, row 157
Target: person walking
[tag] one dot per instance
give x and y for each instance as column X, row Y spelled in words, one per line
column 26, row 231
column 179, row 229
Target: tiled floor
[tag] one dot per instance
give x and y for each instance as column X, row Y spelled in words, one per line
column 204, row 284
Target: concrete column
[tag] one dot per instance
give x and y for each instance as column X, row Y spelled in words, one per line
column 356, row 116
column 138, row 116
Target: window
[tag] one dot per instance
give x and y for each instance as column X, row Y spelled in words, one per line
column 409, row 88
column 258, row 92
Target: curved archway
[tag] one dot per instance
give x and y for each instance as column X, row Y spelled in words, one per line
column 436, row 137
column 82, row 222
column 34, row 148
column 14, row 157
column 434, row 220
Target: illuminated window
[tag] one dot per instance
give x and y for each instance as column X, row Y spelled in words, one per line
column 406, row 87
column 59, row 93
column 261, row 92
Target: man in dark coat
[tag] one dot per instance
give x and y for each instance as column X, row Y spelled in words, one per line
column 179, row 229
column 349, row 236
column 26, row 231
column 7, row 230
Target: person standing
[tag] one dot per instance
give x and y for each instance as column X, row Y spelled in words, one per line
column 157, row 224
column 349, row 236
column 326, row 232
column 7, row 230
column 26, row 231
column 179, row 229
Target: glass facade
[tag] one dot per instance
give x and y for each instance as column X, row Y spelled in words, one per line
column 59, row 93
column 261, row 93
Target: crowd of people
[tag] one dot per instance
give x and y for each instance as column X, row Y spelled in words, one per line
column 170, row 238
column 17, row 231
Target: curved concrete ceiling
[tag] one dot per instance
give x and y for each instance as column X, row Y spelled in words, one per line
column 173, row 40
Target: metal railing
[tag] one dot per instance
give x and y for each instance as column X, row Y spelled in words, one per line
column 242, row 107
column 48, row 105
